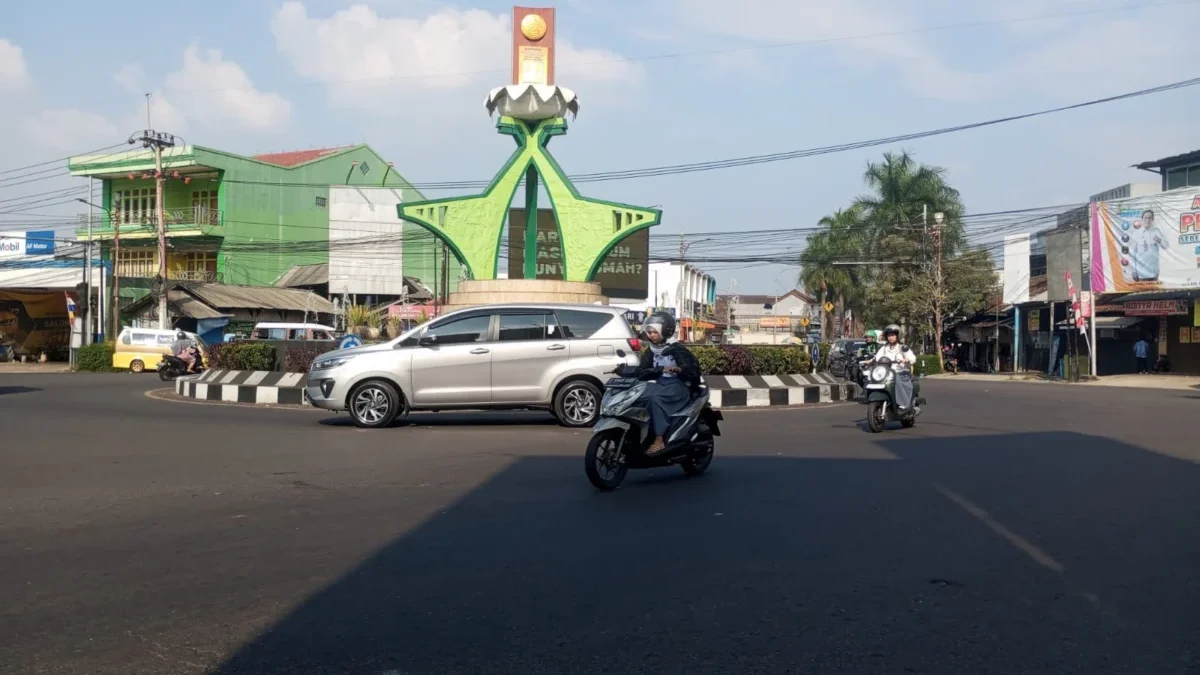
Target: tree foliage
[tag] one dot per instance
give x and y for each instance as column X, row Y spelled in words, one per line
column 878, row 257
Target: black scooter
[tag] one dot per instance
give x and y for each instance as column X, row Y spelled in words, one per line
column 172, row 367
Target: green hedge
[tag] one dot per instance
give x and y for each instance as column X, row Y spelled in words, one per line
column 95, row 358
column 752, row 360
column 927, row 364
column 250, row 355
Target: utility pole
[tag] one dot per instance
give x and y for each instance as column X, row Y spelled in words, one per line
column 157, row 141
column 88, row 312
column 938, row 219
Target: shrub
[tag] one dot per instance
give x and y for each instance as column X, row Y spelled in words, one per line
column 927, row 364
column 250, row 355
column 299, row 358
column 95, row 358
column 823, row 362
column 780, row 360
column 738, row 361
column 711, row 358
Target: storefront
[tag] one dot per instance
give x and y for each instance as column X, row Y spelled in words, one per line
column 1169, row 320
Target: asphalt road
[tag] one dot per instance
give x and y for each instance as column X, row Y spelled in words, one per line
column 1019, row 528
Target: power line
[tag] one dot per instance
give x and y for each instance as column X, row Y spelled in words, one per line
column 568, row 67
column 752, row 160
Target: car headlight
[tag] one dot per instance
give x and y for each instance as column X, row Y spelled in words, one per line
column 613, row 404
column 878, row 373
column 328, row 362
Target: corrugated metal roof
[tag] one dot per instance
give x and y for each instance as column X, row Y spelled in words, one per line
column 186, row 305
column 298, row 157
column 305, row 275
column 223, row 297
column 1183, row 158
column 1160, row 295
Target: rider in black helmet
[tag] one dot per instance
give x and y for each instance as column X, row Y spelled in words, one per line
column 677, row 372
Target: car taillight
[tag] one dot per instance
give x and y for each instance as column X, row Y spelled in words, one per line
column 635, row 344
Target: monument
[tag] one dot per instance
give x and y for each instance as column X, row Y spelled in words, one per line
column 532, row 111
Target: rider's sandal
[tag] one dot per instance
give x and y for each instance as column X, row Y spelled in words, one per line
column 655, row 448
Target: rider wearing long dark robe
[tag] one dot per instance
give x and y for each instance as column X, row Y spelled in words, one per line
column 677, row 372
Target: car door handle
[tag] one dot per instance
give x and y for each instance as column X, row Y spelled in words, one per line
column 481, row 350
column 555, row 348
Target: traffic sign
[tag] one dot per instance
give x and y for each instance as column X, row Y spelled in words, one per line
column 804, row 321
column 350, row 342
column 829, row 307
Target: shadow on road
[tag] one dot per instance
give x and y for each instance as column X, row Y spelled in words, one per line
column 17, row 390
column 772, row 565
column 456, row 419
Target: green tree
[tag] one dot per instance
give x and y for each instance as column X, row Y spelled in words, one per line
column 823, row 268
column 891, row 231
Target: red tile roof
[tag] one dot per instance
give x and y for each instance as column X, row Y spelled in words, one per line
column 297, row 157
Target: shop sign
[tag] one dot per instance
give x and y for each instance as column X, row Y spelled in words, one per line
column 1156, row 308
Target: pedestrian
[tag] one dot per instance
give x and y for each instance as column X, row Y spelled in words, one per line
column 1141, row 350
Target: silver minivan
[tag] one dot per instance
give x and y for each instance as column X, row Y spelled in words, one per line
column 551, row 357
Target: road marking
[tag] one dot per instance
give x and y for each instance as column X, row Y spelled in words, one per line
column 158, row 395
column 1038, row 555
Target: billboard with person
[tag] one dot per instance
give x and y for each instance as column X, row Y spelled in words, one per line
column 1146, row 243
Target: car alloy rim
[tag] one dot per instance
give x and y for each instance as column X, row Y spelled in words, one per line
column 371, row 405
column 580, row 405
column 607, row 459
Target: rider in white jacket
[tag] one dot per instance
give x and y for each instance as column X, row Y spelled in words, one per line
column 897, row 353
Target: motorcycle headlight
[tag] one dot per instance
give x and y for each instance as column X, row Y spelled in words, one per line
column 878, row 373
column 329, row 362
column 615, row 402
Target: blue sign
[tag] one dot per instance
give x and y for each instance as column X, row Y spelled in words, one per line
column 40, row 242
column 635, row 317
column 350, row 342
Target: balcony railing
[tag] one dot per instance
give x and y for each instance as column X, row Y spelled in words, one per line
column 193, row 275
column 185, row 218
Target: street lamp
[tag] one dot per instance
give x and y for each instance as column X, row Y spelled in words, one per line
column 115, row 309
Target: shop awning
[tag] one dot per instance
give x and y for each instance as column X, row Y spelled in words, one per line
column 697, row 323
column 1108, row 322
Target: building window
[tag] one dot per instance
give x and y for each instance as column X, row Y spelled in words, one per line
column 204, row 206
column 134, row 206
column 1184, row 176
column 321, row 202
column 138, row 263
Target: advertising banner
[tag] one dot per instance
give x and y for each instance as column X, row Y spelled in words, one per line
column 31, row 323
column 1146, row 243
column 625, row 272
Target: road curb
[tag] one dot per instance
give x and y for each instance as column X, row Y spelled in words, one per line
column 761, row 391
column 245, row 386
column 726, row 391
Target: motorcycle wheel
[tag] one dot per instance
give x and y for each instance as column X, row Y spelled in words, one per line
column 875, row 418
column 164, row 374
column 602, row 461
column 698, row 465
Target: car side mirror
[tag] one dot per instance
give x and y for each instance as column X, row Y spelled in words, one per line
column 427, row 341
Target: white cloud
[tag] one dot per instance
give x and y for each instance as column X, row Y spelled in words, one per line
column 131, row 78
column 70, row 129
column 212, row 90
column 14, row 74
column 373, row 62
column 1004, row 56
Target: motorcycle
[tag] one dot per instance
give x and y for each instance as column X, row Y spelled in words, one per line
column 622, row 435
column 171, row 367
column 880, row 394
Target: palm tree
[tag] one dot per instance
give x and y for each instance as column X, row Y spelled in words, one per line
column 899, row 210
column 837, row 242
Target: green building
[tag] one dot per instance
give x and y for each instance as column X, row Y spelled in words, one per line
column 234, row 219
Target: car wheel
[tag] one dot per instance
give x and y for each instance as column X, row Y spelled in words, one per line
column 136, row 366
column 374, row 405
column 577, row 404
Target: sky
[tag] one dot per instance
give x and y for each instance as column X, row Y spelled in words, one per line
column 660, row 82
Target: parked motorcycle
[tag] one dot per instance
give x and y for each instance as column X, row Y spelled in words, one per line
column 622, row 434
column 880, row 391
column 171, row 367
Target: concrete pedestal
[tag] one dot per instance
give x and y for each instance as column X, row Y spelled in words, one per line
column 501, row 291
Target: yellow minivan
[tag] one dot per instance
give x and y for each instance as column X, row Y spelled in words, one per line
column 140, row 349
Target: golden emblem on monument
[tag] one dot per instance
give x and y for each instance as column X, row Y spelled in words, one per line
column 533, row 27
